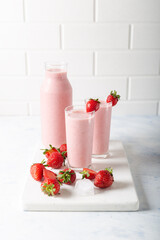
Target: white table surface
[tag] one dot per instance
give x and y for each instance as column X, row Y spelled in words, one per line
column 141, row 139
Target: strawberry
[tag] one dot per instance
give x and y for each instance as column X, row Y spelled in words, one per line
column 63, row 149
column 36, row 170
column 113, row 97
column 88, row 173
column 55, row 160
column 104, row 178
column 47, row 174
column 67, row 176
column 47, row 152
column 92, row 105
column 50, row 186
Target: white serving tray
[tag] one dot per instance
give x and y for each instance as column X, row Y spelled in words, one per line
column 121, row 196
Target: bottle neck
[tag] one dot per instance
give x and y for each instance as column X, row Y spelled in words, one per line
column 56, row 74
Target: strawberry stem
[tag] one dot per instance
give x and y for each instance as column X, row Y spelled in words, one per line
column 110, row 170
column 115, row 95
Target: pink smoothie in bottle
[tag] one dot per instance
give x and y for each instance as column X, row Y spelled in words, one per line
column 56, row 95
column 102, row 129
column 79, row 131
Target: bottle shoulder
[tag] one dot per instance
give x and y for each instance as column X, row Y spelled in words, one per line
column 50, row 86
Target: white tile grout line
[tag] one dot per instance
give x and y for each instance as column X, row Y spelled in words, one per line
column 94, row 64
column 94, row 10
column 26, row 63
column 128, row 95
column 24, row 12
column 130, row 36
column 127, row 88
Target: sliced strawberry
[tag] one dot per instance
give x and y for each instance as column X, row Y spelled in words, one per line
column 36, row 170
column 47, row 174
column 88, row 173
column 92, row 105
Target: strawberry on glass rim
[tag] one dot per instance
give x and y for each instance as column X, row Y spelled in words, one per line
column 92, row 105
column 113, row 97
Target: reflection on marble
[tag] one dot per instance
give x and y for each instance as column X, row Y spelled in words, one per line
column 141, row 139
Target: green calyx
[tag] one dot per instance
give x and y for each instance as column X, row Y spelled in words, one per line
column 49, row 189
column 43, row 163
column 65, row 176
column 115, row 95
column 97, row 100
column 47, row 150
column 110, row 170
column 85, row 174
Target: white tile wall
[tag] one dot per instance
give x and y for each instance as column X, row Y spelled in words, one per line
column 12, row 63
column 109, row 44
column 12, row 35
column 128, row 10
column 146, row 36
column 127, row 63
column 98, row 87
column 95, row 36
column 135, row 108
column 80, row 63
column 42, row 36
column 15, row 88
column 34, row 107
column 144, row 88
column 59, row 10
column 11, row 10
column 13, row 108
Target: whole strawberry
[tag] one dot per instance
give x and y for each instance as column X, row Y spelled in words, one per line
column 55, row 160
column 50, row 186
column 48, row 152
column 47, row 174
column 104, row 178
column 92, row 105
column 113, row 97
column 63, row 149
column 36, row 170
column 67, row 176
column 88, row 173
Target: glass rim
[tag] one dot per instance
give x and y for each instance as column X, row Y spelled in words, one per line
column 56, row 63
column 77, row 107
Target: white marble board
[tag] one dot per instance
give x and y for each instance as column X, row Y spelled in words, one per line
column 121, row 196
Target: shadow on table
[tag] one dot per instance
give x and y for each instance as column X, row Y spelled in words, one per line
column 135, row 158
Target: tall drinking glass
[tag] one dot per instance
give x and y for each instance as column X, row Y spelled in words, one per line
column 79, row 134
column 101, row 135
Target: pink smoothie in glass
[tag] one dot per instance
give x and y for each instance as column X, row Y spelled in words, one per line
column 56, row 95
column 79, row 131
column 102, row 129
